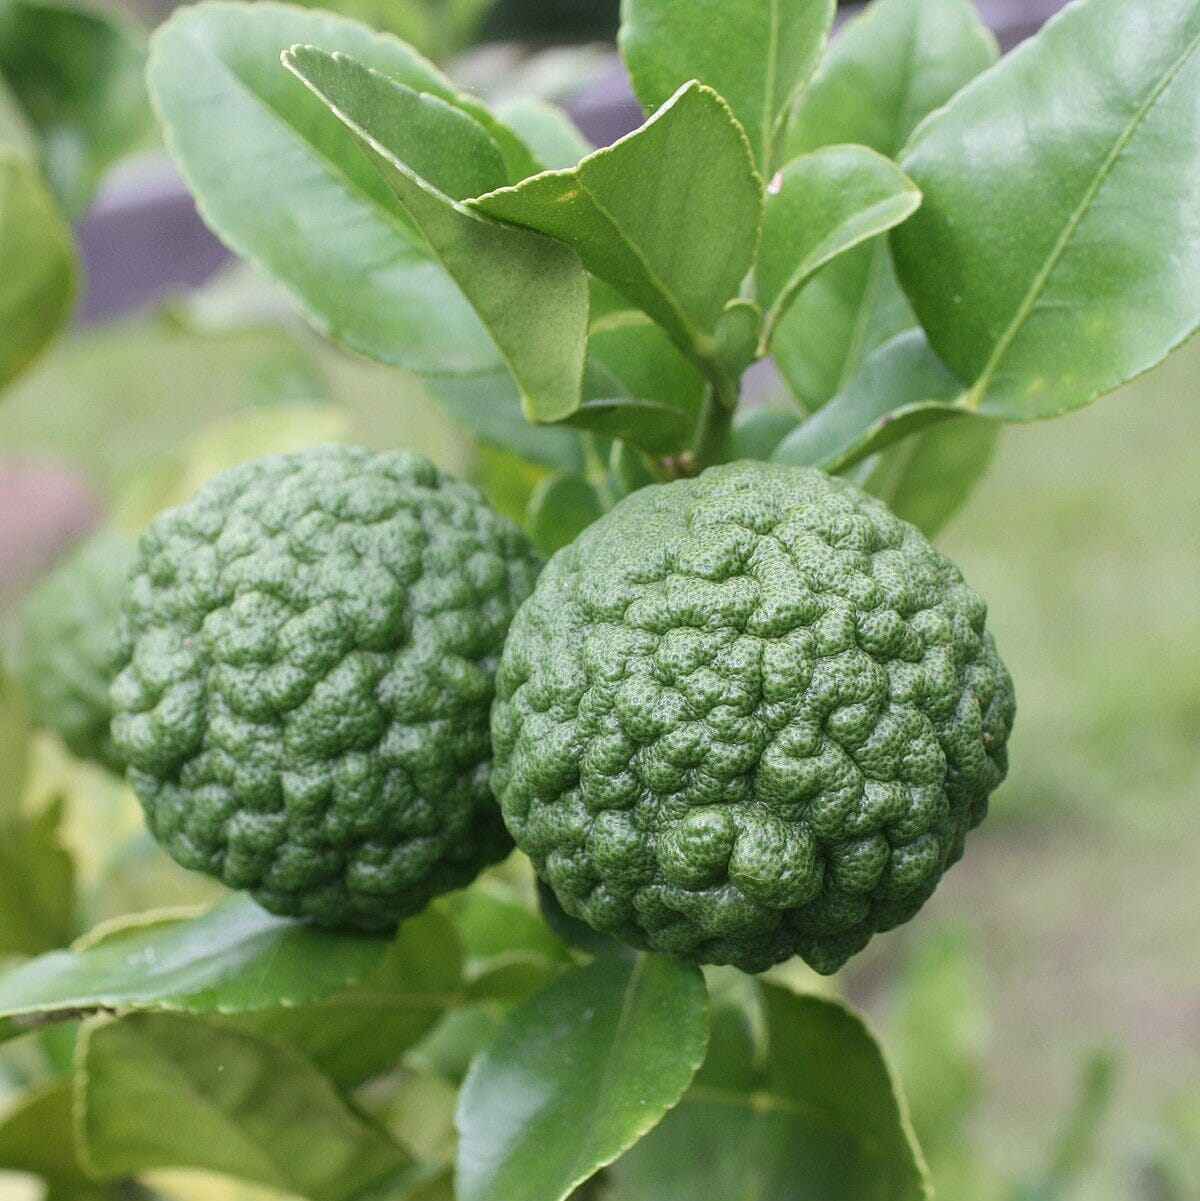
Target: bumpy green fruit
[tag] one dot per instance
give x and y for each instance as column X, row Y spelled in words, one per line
column 308, row 659
column 748, row 716
column 70, row 620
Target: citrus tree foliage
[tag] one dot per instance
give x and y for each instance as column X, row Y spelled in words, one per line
column 928, row 246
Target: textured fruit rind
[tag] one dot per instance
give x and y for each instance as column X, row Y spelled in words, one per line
column 748, row 716
column 308, row 658
column 68, row 644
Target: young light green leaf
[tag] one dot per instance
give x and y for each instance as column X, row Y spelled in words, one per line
column 867, row 93
column 37, row 264
column 1057, row 251
column 817, row 1113
column 362, row 1031
column 902, row 388
column 78, row 73
column 282, row 181
column 234, row 957
column 562, row 506
column 927, row 479
column 674, row 239
column 530, row 291
column 576, row 1075
column 818, row 207
column 37, row 885
column 758, row 54
column 172, row 1091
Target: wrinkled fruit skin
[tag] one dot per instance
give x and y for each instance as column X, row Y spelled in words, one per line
column 68, row 643
column 748, row 716
column 308, row 660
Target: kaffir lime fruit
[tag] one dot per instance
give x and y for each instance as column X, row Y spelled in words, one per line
column 748, row 716
column 308, row 655
column 67, row 645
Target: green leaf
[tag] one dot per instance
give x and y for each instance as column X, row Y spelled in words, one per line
column 550, row 134
column 576, row 1075
column 902, row 388
column 362, row 1031
column 37, row 1135
column 493, row 928
column 489, row 406
column 282, row 181
column 78, row 74
column 756, row 433
column 668, row 216
column 171, row 1091
column 866, row 92
column 37, row 264
column 37, row 885
column 648, row 366
column 650, row 425
column 815, row 1114
column 758, row 54
column 1056, row 254
column 562, row 506
column 818, row 207
column 232, row 958
column 530, row 292
column 927, row 479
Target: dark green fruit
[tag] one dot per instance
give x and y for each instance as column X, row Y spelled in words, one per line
column 308, row 656
column 69, row 625
column 748, row 716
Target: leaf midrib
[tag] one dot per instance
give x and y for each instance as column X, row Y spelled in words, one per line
column 975, row 396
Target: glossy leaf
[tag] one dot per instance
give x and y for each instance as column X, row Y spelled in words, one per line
column 1057, row 251
column 530, row 291
column 37, row 885
column 562, row 506
column 576, row 1075
column 816, row 1113
column 172, row 1091
column 866, row 92
column 362, row 1031
column 674, row 240
column 927, row 479
column 286, row 185
column 37, row 264
column 902, row 388
column 78, row 74
column 757, row 54
column 232, row 958
column 818, row 207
